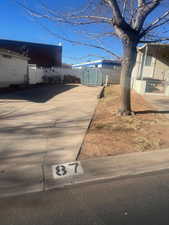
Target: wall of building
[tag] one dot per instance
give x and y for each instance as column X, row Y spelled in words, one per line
column 112, row 75
column 145, row 71
column 156, row 68
column 13, row 70
column 40, row 54
column 136, row 69
column 148, row 70
column 109, row 64
column 161, row 70
column 140, row 86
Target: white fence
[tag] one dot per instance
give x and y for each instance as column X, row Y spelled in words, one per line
column 35, row 75
column 63, row 72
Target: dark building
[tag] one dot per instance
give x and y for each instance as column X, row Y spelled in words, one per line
column 43, row 55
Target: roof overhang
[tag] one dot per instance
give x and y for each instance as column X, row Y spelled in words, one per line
column 97, row 62
column 157, row 50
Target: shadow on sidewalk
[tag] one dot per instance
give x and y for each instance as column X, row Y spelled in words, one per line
column 28, row 137
column 37, row 93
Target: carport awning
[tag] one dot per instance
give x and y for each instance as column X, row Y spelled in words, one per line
column 158, row 51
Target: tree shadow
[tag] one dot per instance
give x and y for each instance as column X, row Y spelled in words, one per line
column 26, row 147
column 29, row 137
column 37, row 93
column 33, row 133
column 152, row 111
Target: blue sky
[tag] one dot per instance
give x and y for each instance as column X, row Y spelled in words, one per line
column 17, row 25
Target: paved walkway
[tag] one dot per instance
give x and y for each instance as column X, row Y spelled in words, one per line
column 160, row 102
column 41, row 125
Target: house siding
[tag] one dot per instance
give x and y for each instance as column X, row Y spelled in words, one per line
column 161, row 70
column 13, row 70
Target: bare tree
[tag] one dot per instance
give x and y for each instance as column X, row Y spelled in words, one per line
column 128, row 20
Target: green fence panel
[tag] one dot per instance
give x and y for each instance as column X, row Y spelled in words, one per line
column 92, row 77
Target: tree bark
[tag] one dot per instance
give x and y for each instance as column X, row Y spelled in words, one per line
column 130, row 52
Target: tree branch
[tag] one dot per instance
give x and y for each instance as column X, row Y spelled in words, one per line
column 93, row 19
column 142, row 13
column 77, row 12
column 117, row 16
column 95, row 36
column 156, row 23
column 87, row 56
column 141, row 3
column 80, row 43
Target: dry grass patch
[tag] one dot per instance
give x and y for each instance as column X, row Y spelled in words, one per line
column 110, row 134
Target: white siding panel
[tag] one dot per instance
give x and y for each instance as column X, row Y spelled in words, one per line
column 35, row 75
column 12, row 71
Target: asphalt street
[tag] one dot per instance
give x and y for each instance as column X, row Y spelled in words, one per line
column 139, row 200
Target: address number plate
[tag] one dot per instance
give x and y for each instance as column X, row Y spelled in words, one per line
column 67, row 169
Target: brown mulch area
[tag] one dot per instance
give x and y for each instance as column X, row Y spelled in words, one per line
column 111, row 135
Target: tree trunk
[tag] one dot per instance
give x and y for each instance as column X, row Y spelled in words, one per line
column 129, row 60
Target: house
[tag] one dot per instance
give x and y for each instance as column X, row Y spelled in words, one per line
column 43, row 55
column 13, row 68
column 151, row 71
column 39, row 57
column 107, row 64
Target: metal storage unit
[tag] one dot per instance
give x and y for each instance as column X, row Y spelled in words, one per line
column 92, row 77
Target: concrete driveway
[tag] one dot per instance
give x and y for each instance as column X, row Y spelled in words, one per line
column 46, row 119
column 43, row 124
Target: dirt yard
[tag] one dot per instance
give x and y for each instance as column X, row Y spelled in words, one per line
column 110, row 134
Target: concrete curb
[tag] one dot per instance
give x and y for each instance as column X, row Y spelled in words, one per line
column 94, row 170
column 112, row 168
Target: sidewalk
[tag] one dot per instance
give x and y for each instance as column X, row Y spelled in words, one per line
column 160, row 102
column 40, row 131
column 98, row 169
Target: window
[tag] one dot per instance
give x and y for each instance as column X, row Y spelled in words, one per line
column 148, row 60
